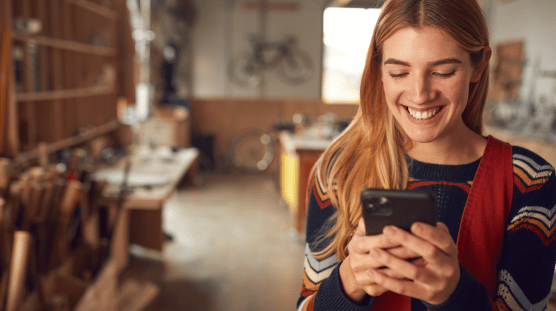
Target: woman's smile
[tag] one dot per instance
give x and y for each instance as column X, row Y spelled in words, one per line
column 420, row 114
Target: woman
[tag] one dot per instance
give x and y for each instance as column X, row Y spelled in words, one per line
column 419, row 127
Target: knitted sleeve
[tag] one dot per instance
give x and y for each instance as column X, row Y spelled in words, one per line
column 528, row 258
column 321, row 288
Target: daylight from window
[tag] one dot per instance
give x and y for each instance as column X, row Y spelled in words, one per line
column 347, row 33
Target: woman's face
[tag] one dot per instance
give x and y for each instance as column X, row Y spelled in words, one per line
column 426, row 77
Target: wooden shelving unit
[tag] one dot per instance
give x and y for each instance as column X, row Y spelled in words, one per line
column 63, row 79
column 59, row 88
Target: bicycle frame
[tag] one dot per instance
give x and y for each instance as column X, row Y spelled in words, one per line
column 281, row 48
column 292, row 65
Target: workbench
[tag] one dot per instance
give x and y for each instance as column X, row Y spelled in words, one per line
column 153, row 176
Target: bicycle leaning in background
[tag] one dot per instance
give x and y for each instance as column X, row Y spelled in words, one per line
column 293, row 65
column 254, row 150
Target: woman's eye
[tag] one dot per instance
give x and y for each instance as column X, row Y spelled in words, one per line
column 398, row 75
column 444, row 75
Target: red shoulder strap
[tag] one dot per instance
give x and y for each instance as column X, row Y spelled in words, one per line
column 391, row 301
column 482, row 227
column 484, row 218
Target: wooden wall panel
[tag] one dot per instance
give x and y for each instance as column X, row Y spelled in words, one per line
column 225, row 118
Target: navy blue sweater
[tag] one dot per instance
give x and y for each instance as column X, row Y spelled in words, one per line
column 527, row 264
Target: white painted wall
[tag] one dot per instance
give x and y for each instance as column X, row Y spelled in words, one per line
column 223, row 26
column 208, row 49
column 222, row 30
column 534, row 22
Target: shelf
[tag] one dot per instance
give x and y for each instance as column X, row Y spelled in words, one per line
column 67, row 45
column 66, row 77
column 72, row 141
column 65, row 94
column 95, row 8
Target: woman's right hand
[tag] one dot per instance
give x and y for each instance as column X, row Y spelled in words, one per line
column 356, row 271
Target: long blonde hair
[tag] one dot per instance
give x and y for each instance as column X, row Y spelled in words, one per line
column 371, row 152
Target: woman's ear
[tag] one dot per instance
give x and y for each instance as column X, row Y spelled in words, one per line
column 477, row 73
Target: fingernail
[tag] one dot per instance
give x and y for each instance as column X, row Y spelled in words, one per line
column 389, row 231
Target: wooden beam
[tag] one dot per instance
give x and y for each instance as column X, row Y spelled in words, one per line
column 103, row 293
column 25, row 8
column 29, row 86
column 136, row 296
column 43, row 50
column 70, row 78
column 95, row 8
column 12, row 121
column 12, row 133
column 6, row 13
column 72, row 141
column 77, row 64
column 67, row 45
column 57, row 65
column 272, row 6
column 4, row 78
column 66, row 94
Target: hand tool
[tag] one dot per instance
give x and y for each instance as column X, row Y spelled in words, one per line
column 43, row 151
column 18, row 269
column 67, row 207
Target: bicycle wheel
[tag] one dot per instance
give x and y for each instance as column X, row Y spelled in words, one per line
column 296, row 67
column 244, row 71
column 252, row 151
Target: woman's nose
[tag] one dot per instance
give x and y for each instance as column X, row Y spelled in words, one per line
column 421, row 91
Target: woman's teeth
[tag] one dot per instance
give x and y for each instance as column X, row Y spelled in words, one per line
column 423, row 115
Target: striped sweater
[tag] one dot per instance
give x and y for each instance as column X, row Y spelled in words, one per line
column 528, row 257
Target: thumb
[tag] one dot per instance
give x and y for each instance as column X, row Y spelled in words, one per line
column 442, row 227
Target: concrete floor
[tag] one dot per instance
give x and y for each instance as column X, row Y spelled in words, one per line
column 232, row 249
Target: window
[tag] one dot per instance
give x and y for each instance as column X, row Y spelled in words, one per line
column 347, row 33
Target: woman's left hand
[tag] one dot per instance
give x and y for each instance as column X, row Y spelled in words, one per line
column 432, row 278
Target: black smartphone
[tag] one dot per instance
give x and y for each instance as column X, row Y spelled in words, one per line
column 400, row 208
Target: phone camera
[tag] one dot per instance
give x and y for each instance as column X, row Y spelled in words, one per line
column 374, row 203
column 379, row 206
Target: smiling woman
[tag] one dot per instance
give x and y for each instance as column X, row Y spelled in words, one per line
column 420, row 127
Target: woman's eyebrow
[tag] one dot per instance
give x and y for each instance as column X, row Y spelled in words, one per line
column 393, row 61
column 447, row 61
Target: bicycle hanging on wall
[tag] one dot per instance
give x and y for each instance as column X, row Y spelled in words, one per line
column 293, row 65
